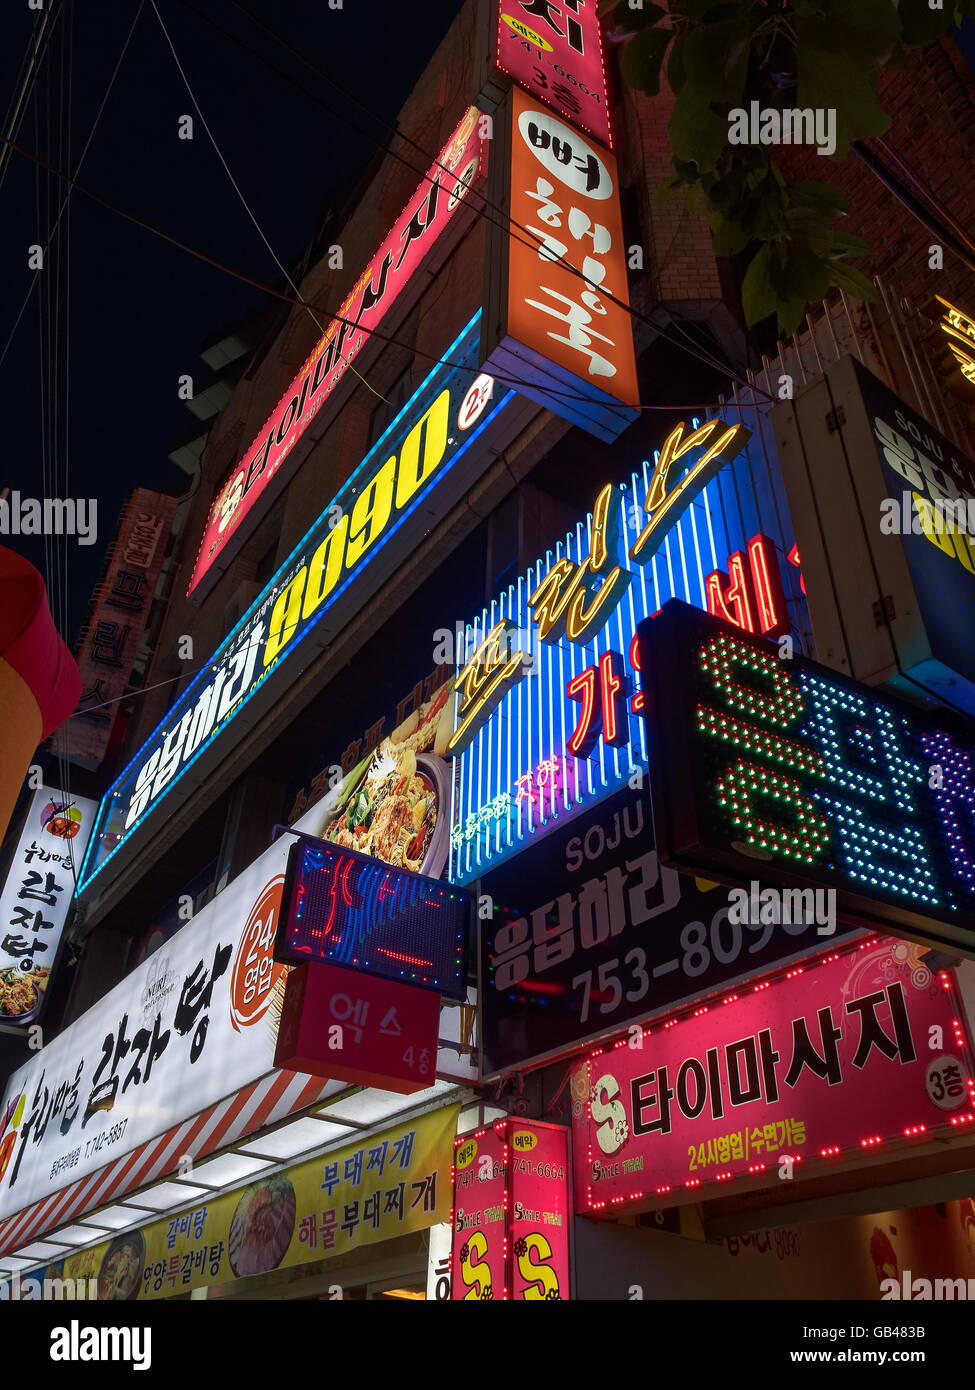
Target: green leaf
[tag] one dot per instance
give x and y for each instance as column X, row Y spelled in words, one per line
column 831, row 82
column 675, row 65
column 642, row 57
column 790, row 312
column 696, row 132
column 668, row 189
column 759, row 297
column 728, row 238
column 716, row 58
column 845, row 277
column 814, row 193
column 920, row 24
column 852, row 34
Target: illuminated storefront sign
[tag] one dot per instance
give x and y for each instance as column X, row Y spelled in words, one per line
column 412, row 475
column 797, row 1077
column 351, row 910
column 959, row 329
column 36, row 897
column 884, row 513
column 590, row 933
column 512, row 1213
column 116, row 625
column 784, row 771
column 193, row 1022
column 551, row 327
column 413, row 235
column 386, row 1185
column 553, row 48
column 548, row 714
column 358, row 1028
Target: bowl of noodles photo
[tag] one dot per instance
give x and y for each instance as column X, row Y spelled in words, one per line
column 395, row 806
column 20, row 997
column 121, row 1269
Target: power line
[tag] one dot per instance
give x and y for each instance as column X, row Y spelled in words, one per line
column 507, row 221
column 338, row 318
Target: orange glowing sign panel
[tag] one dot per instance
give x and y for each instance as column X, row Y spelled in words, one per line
column 566, row 307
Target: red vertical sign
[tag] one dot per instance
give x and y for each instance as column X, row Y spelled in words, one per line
column 512, row 1213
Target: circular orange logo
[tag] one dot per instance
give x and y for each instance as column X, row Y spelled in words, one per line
column 255, row 971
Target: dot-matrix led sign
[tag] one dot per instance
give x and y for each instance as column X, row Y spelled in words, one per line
column 782, row 771
column 348, row 909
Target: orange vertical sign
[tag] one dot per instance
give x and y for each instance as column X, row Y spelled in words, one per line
column 564, row 192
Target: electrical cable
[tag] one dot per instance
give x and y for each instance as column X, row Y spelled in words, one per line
column 236, row 187
column 507, row 221
column 289, row 299
column 81, row 160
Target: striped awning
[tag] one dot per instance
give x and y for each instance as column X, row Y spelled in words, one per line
column 264, row 1102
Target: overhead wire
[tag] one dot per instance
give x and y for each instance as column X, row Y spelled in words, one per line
column 506, row 221
column 81, row 160
column 290, row 299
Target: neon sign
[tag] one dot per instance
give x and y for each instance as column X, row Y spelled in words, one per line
column 786, row 771
column 573, row 691
column 357, row 540
column 959, row 329
column 418, row 226
column 340, row 907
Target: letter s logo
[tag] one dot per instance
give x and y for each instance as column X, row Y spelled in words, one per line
column 474, row 1269
column 541, row 1278
column 608, row 1114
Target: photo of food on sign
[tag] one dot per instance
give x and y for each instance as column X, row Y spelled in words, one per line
column 395, row 804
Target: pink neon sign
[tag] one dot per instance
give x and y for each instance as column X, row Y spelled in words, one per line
column 553, row 49
column 827, row 1063
column 460, row 164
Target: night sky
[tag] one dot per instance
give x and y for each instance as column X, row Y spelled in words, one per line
column 138, row 308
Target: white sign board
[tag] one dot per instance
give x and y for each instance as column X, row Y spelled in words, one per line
column 36, row 897
column 194, row 1023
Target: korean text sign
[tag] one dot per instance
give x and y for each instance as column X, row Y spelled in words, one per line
column 116, row 624
column 788, row 771
column 36, row 896
column 390, row 1184
column 590, row 933
column 563, row 308
column 349, row 550
column 550, row 713
column 191, row 1024
column 423, row 220
column 553, row 48
column 512, row 1213
column 848, row 1054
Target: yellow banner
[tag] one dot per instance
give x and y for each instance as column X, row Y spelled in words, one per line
column 386, row 1186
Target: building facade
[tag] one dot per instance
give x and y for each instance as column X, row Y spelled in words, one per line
column 513, row 563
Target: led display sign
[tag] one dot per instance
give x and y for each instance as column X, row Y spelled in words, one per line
column 348, row 909
column 779, row 769
column 413, row 474
column 423, row 220
column 796, row 1077
column 590, row 933
column 549, row 703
